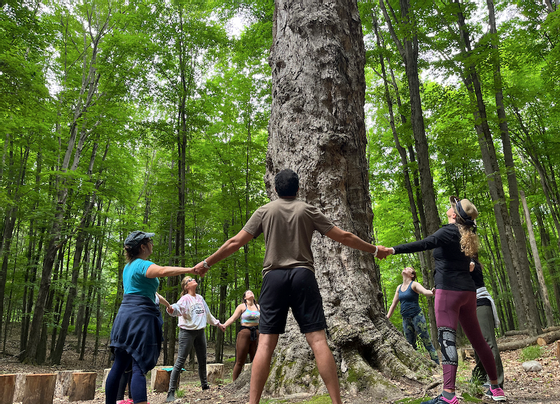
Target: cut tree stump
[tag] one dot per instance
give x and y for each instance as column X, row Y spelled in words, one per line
column 247, row 367
column 20, row 387
column 63, row 381
column 160, row 379
column 7, row 388
column 105, row 374
column 215, row 372
column 82, row 387
column 545, row 339
column 39, row 388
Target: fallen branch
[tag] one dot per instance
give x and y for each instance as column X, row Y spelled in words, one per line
column 542, row 340
column 511, row 333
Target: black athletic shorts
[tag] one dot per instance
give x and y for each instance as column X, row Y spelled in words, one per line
column 294, row 288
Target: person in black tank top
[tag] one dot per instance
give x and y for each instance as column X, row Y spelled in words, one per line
column 414, row 322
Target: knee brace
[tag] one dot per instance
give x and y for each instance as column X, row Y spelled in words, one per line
column 446, row 338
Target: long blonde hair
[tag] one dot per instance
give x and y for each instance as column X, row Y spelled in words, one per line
column 469, row 240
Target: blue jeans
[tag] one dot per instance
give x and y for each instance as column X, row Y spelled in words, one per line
column 416, row 326
column 188, row 339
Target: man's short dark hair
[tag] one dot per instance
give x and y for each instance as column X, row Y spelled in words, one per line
column 286, row 183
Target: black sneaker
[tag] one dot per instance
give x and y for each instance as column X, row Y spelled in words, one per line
column 205, row 387
column 170, row 397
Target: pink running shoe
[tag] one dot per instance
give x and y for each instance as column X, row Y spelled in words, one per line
column 496, row 394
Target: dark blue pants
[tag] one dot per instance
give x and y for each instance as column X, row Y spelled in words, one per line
column 137, row 384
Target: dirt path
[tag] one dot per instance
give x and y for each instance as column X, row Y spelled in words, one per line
column 521, row 387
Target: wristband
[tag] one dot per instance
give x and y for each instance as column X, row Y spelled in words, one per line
column 205, row 264
column 375, row 253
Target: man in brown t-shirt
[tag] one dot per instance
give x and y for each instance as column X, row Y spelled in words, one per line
column 289, row 279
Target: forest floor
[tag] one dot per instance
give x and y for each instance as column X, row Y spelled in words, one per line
column 521, row 387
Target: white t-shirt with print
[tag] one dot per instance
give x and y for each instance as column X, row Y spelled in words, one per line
column 193, row 312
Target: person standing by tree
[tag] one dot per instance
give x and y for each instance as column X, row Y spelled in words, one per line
column 248, row 337
column 488, row 319
column 455, row 297
column 193, row 313
column 414, row 322
column 288, row 277
column 136, row 334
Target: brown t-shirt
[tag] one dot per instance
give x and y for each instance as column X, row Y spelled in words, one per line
column 287, row 225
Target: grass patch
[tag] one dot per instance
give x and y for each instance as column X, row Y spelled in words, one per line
column 531, row 353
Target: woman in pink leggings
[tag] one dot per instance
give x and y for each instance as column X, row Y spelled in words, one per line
column 455, row 297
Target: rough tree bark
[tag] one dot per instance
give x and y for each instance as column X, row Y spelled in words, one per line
column 317, row 128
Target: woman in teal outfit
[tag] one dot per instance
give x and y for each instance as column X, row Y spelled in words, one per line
column 136, row 334
column 414, row 322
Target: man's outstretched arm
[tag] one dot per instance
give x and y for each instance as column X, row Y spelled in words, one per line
column 228, row 248
column 353, row 241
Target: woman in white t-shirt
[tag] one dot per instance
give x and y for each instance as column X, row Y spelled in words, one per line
column 193, row 313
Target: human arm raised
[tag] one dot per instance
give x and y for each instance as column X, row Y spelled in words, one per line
column 350, row 240
column 236, row 314
column 228, row 248
column 394, row 304
column 421, row 289
column 157, row 271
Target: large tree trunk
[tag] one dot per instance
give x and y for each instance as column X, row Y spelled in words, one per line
column 317, row 128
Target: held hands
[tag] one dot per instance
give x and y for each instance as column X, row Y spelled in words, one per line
column 169, row 309
column 383, row 252
column 199, row 269
column 222, row 327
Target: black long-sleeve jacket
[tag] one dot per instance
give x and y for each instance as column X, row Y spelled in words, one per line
column 451, row 264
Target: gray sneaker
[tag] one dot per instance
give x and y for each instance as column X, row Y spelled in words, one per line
column 170, row 397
